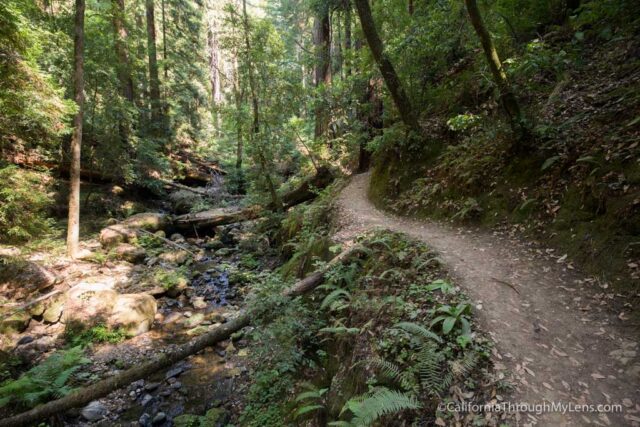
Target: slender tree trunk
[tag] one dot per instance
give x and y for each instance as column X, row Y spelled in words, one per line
column 214, row 71
column 389, row 75
column 347, row 38
column 410, row 7
column 238, row 95
column 322, row 44
column 154, row 80
column 73, row 229
column 122, row 52
column 123, row 67
column 507, row 97
column 165, row 62
column 255, row 127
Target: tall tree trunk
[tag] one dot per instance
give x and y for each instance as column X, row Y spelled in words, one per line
column 214, row 71
column 322, row 44
column 238, row 94
column 154, row 80
column 165, row 62
column 386, row 67
column 122, row 52
column 347, row 38
column 255, row 127
column 73, row 229
column 123, row 67
column 507, row 97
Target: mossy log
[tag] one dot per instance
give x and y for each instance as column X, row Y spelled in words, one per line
column 104, row 387
column 304, row 192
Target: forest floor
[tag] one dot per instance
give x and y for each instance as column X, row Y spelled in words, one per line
column 563, row 337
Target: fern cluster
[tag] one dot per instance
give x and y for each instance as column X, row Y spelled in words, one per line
column 44, row 382
column 371, row 406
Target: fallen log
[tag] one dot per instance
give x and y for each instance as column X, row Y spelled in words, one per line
column 220, row 333
column 215, row 217
column 304, row 192
column 308, row 189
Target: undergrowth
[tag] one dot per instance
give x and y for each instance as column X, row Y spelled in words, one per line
column 382, row 341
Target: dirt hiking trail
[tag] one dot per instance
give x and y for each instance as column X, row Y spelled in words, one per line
column 555, row 335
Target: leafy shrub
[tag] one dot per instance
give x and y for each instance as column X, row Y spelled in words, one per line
column 44, row 382
column 23, row 204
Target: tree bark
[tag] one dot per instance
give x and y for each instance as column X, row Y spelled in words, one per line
column 165, row 62
column 507, row 97
column 220, row 333
column 123, row 68
column 347, row 38
column 214, row 72
column 73, row 228
column 322, row 44
column 238, row 94
column 122, row 52
column 154, row 79
column 399, row 96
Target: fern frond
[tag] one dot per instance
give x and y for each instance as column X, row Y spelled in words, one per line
column 430, row 371
column 334, row 296
column 392, row 372
column 380, row 403
column 463, row 367
column 307, row 409
column 418, row 331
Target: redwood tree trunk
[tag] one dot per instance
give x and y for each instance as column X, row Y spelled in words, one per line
column 123, row 67
column 347, row 38
column 214, row 71
column 507, row 97
column 73, row 229
column 400, row 98
column 122, row 52
column 154, row 80
column 322, row 44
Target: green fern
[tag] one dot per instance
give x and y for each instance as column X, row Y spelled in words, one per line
column 434, row 379
column 418, row 331
column 315, row 396
column 370, row 407
column 336, row 300
column 392, row 372
column 45, row 381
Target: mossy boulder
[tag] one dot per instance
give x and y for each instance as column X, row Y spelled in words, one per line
column 114, row 235
column 50, row 310
column 89, row 304
column 130, row 253
column 150, row 221
column 15, row 323
column 174, row 257
column 133, row 313
column 188, row 420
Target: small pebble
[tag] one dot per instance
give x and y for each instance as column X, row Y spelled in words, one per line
column 159, row 418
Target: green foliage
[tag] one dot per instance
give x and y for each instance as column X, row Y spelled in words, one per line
column 32, row 110
column 171, row 278
column 452, row 317
column 44, row 382
column 370, row 407
column 311, row 400
column 24, row 204
column 76, row 336
column 463, row 122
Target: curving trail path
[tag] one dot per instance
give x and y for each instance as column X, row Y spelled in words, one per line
column 554, row 331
